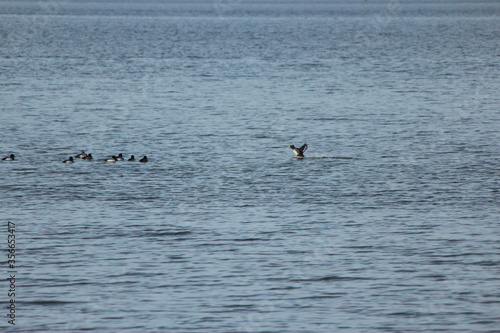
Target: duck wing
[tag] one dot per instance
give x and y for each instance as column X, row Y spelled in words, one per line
column 303, row 148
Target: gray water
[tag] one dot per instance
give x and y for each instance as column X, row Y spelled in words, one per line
column 390, row 223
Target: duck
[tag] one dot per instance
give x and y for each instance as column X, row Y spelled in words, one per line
column 112, row 159
column 8, row 158
column 82, row 155
column 69, row 160
column 120, row 157
column 299, row 151
column 88, row 157
column 132, row 158
column 144, row 159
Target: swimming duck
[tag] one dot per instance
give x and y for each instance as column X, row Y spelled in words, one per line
column 144, row 159
column 120, row 157
column 112, row 159
column 132, row 158
column 88, row 157
column 8, row 158
column 81, row 155
column 69, row 160
column 299, row 151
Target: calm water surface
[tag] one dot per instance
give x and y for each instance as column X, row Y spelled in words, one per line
column 390, row 223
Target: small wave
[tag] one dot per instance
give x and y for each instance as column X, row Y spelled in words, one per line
column 333, row 278
column 325, row 296
column 247, row 239
column 49, row 302
column 341, row 278
column 152, row 233
column 326, row 157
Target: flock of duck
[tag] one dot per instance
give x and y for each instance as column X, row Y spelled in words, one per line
column 114, row 158
column 89, row 157
column 299, row 152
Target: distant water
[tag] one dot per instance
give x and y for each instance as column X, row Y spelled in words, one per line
column 390, row 223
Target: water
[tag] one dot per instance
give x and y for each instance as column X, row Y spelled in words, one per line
column 390, row 223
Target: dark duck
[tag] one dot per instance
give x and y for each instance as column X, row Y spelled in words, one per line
column 299, row 151
column 82, row 155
